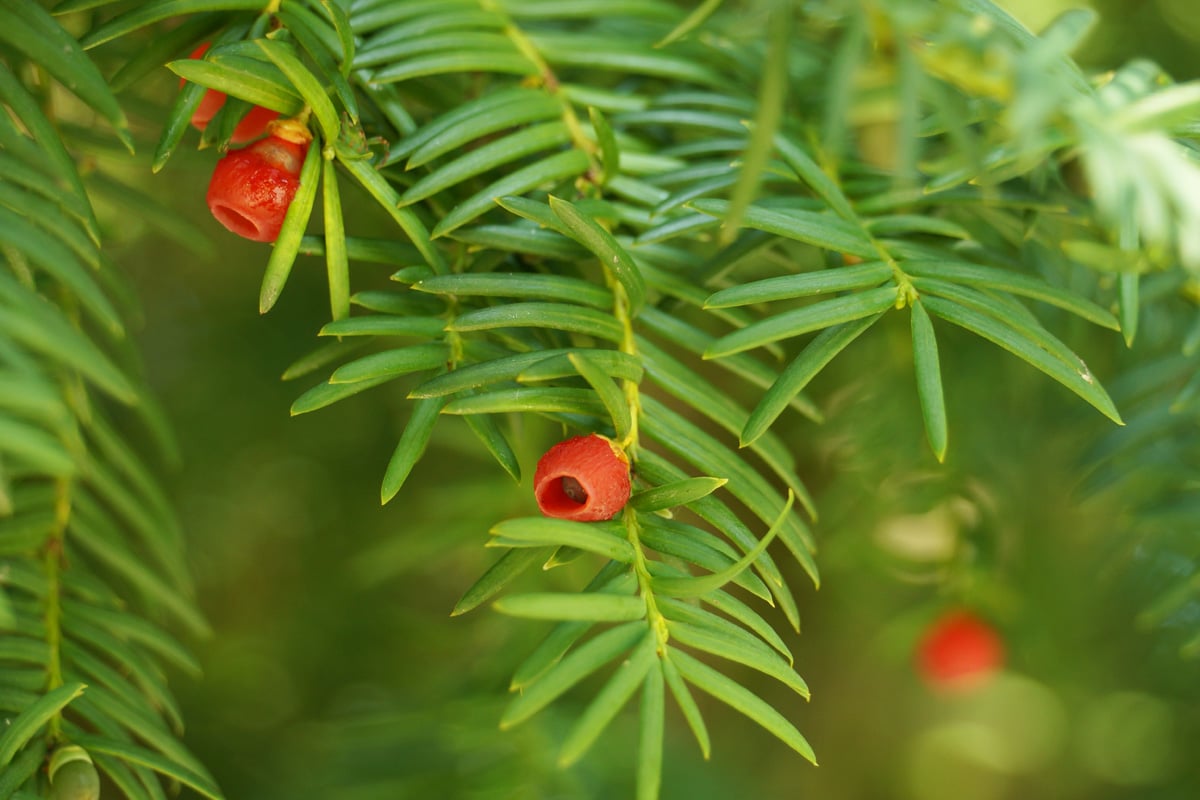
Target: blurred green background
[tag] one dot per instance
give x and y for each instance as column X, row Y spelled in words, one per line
column 336, row 671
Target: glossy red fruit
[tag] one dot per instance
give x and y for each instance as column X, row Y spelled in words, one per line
column 252, row 188
column 251, row 127
column 585, row 478
column 959, row 651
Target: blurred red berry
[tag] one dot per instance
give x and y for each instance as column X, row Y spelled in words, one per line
column 959, row 651
column 252, row 188
column 585, row 478
column 251, row 126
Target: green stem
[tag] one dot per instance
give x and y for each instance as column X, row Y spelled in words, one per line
column 628, row 346
column 654, row 617
column 549, row 81
column 53, row 562
column 629, row 444
column 908, row 293
column 20, row 266
column 454, row 339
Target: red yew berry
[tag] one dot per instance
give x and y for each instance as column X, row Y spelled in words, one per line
column 959, row 651
column 585, row 478
column 252, row 188
column 251, row 126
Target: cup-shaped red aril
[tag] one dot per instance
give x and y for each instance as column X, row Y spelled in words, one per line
column 249, row 128
column 251, row 189
column 959, row 651
column 585, row 479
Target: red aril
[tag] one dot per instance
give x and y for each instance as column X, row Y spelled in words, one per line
column 585, row 478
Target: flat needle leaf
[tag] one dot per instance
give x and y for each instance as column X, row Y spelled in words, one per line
column 574, row 667
column 743, row 700
column 287, row 246
column 610, row 154
column 611, row 396
column 1127, row 299
column 26, row 724
column 929, row 380
column 772, row 92
column 337, row 260
column 307, row 85
column 591, row 235
column 695, row 587
column 687, row 704
column 608, row 702
column 591, row 607
column 650, row 736
column 412, row 444
column 810, row 318
column 691, row 22
column 507, row 568
column 812, row 359
column 1079, row 380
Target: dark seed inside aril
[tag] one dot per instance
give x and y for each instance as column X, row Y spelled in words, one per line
column 572, row 489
